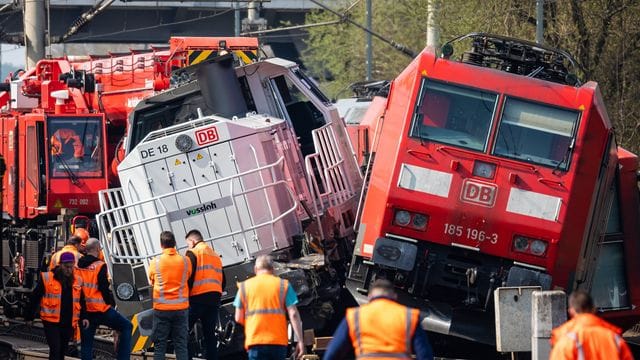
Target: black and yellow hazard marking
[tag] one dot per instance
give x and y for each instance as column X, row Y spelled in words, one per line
column 139, row 341
column 198, row 56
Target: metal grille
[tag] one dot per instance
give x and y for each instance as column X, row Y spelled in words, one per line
column 32, row 255
column 5, row 253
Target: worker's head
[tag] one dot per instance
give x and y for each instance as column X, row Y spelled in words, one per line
column 92, row 247
column 67, row 263
column 193, row 237
column 74, row 240
column 580, row 302
column 264, row 264
column 83, row 234
column 167, row 240
column 382, row 287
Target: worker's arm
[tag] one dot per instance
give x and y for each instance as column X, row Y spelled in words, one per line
column 421, row 346
column 34, row 300
column 237, row 302
column 103, row 286
column 563, row 349
column 296, row 324
column 152, row 273
column 194, row 263
column 340, row 346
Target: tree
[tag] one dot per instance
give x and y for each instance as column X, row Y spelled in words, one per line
column 603, row 36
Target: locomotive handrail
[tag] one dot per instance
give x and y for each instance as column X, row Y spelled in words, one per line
column 452, row 151
column 551, row 183
column 156, row 199
column 233, row 233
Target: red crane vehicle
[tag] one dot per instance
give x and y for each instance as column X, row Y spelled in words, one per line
column 497, row 169
column 62, row 125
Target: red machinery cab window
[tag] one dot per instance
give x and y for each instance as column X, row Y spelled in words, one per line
column 75, row 149
column 536, row 133
column 454, row 115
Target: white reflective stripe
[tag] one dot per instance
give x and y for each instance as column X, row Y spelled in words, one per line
column 573, row 336
column 408, row 332
column 384, row 355
column 208, row 267
column 356, row 320
column 90, row 285
column 49, row 310
column 205, row 281
column 161, row 299
column 618, row 340
column 95, row 300
column 283, row 302
column 51, row 296
column 266, row 311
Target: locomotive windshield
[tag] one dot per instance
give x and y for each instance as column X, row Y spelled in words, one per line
column 536, row 133
column 454, row 115
column 75, row 150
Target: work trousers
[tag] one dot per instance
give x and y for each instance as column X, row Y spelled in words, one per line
column 114, row 320
column 267, row 352
column 208, row 316
column 58, row 336
column 176, row 323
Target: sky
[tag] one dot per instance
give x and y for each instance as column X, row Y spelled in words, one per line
column 13, row 54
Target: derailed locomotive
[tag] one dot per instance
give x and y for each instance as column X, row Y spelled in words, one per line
column 497, row 169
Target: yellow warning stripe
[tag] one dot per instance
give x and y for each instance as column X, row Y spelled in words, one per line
column 140, row 340
column 244, row 57
column 202, row 57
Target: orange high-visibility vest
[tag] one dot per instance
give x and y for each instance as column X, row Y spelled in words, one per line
column 168, row 274
column 263, row 299
column 92, row 295
column 63, row 136
column 55, row 258
column 52, row 299
column 382, row 329
column 586, row 336
column 208, row 277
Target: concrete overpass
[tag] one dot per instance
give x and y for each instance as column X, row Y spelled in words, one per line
column 135, row 24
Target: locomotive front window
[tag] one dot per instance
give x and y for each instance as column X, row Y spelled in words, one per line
column 75, row 149
column 536, row 133
column 453, row 115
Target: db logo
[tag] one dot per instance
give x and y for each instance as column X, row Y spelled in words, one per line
column 478, row 193
column 208, row 135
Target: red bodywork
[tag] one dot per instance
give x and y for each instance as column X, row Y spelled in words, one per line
column 480, row 225
column 64, row 124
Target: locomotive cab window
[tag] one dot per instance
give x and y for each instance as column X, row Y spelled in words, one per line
column 453, row 115
column 75, row 147
column 536, row 133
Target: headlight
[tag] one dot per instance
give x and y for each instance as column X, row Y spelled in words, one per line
column 402, row 218
column 538, row 247
column 419, row 221
column 124, row 291
column 529, row 245
column 520, row 243
column 483, row 169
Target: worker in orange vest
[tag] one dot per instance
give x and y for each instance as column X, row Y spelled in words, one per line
column 100, row 303
column 586, row 336
column 381, row 329
column 71, row 246
column 262, row 304
column 59, row 296
column 64, row 136
column 168, row 274
column 205, row 283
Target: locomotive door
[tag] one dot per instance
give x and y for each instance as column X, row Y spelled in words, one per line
column 33, row 164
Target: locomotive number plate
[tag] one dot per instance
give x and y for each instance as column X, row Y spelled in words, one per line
column 470, row 233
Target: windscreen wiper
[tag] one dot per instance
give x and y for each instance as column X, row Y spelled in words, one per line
column 72, row 176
